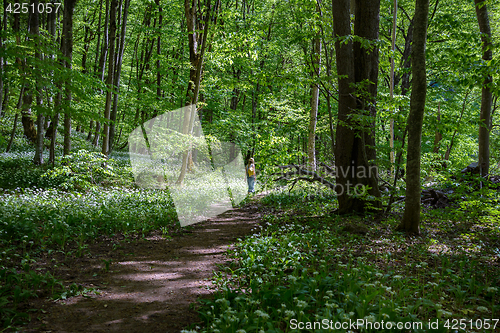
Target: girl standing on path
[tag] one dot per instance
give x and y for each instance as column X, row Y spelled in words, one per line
column 251, row 175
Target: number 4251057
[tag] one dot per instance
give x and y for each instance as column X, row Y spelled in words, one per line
column 18, row 8
column 463, row 324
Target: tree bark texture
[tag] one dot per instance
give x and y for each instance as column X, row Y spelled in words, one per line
column 411, row 217
column 40, row 120
column 118, row 70
column 486, row 95
column 354, row 139
column 109, row 79
column 69, row 6
column 197, row 46
column 313, row 114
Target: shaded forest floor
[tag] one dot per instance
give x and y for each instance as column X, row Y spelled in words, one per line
column 143, row 285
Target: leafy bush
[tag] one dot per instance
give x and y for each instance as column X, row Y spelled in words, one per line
column 79, row 171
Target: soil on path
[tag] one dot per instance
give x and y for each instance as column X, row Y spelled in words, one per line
column 151, row 283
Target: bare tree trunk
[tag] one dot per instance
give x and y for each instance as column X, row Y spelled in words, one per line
column 102, row 67
column 40, row 121
column 158, row 54
column 411, row 218
column 354, row 149
column 14, row 127
column 109, row 80
column 117, row 74
column 196, row 59
column 27, row 98
column 13, row 133
column 486, row 96
column 69, row 6
column 52, row 130
column 391, row 88
column 313, row 115
column 438, row 136
column 3, row 28
column 91, row 127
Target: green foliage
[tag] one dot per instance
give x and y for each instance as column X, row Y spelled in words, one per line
column 79, row 171
column 54, row 216
column 309, row 269
column 34, row 221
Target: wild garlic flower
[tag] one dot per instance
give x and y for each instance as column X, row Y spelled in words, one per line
column 301, row 304
column 262, row 314
column 370, row 318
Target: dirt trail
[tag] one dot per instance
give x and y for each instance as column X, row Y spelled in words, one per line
column 150, row 290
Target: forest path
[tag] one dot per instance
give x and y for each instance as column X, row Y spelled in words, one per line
column 150, row 283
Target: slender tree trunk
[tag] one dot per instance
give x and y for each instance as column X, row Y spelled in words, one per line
column 411, row 217
column 486, row 95
column 69, row 6
column 459, row 122
column 26, row 97
column 52, row 130
column 102, row 67
column 14, row 127
column 158, row 55
column 117, row 74
column 40, row 121
column 313, row 115
column 86, row 43
column 438, row 136
column 12, row 134
column 109, row 80
column 196, row 58
column 391, row 87
column 96, row 57
column 91, row 127
column 3, row 26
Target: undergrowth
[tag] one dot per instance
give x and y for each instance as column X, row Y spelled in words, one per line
column 62, row 208
column 305, row 268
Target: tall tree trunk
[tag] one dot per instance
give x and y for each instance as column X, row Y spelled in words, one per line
column 158, row 55
column 196, row 58
column 3, row 28
column 117, row 74
column 27, row 98
column 355, row 141
column 391, row 87
column 69, row 6
column 109, row 80
column 102, row 67
column 96, row 57
column 366, row 25
column 411, row 217
column 52, row 130
column 313, row 114
column 486, row 96
column 40, row 121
